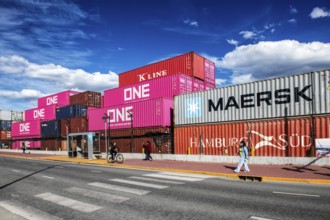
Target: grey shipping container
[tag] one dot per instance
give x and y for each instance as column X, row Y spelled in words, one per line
column 11, row 115
column 296, row 95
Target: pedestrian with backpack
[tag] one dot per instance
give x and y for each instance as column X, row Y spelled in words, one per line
column 244, row 156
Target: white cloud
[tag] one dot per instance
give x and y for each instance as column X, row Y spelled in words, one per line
column 232, row 42
column 272, row 59
column 293, row 10
column 248, row 34
column 191, row 22
column 292, row 21
column 21, row 79
column 220, row 82
column 319, row 13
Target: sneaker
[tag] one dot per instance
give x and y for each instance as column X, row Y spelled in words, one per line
column 235, row 171
column 246, row 171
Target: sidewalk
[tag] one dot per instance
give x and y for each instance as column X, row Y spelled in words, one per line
column 283, row 173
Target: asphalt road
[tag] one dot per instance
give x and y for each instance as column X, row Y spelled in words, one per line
column 31, row 189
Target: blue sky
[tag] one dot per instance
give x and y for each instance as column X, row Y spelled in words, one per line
column 51, row 46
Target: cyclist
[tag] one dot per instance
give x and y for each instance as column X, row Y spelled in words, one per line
column 114, row 150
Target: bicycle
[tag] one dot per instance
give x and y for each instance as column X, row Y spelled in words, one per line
column 119, row 158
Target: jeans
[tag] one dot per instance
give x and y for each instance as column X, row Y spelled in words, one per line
column 242, row 161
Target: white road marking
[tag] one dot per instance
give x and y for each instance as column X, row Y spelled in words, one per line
column 98, row 195
column 182, row 178
column 201, row 176
column 296, row 194
column 25, row 211
column 119, row 188
column 48, row 177
column 156, row 186
column 95, row 171
column 155, row 180
column 69, row 203
column 17, row 171
column 259, row 218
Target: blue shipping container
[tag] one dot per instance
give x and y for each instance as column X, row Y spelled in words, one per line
column 5, row 125
column 71, row 111
column 51, row 129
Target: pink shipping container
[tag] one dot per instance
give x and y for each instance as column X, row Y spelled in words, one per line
column 45, row 113
column 190, row 64
column 26, row 129
column 209, row 72
column 165, row 87
column 29, row 144
column 149, row 113
column 61, row 99
column 293, row 137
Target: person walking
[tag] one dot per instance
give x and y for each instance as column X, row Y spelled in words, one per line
column 148, row 149
column 244, row 156
column 23, row 147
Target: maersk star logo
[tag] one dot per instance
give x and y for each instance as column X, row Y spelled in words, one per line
column 193, row 107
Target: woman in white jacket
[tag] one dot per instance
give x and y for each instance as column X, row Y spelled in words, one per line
column 244, row 156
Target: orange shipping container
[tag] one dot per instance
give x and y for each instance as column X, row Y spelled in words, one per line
column 190, row 64
column 293, row 137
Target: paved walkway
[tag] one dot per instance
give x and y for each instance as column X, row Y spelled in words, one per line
column 284, row 173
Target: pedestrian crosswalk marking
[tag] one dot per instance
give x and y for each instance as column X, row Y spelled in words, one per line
column 156, row 186
column 119, row 188
column 97, row 195
column 155, row 180
column 182, row 178
column 67, row 202
column 25, row 211
column 201, row 176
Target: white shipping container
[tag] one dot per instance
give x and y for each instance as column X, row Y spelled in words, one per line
column 5, row 115
column 17, row 116
column 296, row 95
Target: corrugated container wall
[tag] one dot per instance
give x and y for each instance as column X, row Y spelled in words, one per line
column 5, row 135
column 190, row 64
column 71, row 111
column 88, row 98
column 29, row 144
column 61, row 99
column 8, row 115
column 295, row 95
column 51, row 129
column 5, row 125
column 26, row 129
column 74, row 125
column 165, row 87
column 46, row 113
column 292, row 137
column 53, row 145
column 149, row 113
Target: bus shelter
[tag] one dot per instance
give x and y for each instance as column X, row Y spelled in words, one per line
column 85, row 144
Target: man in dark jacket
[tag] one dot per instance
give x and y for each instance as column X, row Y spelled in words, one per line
column 148, row 148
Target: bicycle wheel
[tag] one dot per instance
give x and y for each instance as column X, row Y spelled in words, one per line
column 109, row 159
column 120, row 158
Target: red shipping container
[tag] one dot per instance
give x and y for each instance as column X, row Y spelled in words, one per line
column 46, row 113
column 29, row 144
column 5, row 135
column 74, row 125
column 26, row 129
column 292, row 137
column 149, row 113
column 190, row 64
column 61, row 99
column 165, row 87
column 88, row 98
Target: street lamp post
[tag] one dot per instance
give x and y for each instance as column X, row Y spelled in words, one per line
column 131, row 144
column 105, row 117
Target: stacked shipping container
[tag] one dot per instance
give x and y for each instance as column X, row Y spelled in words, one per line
column 214, row 121
column 144, row 98
column 6, row 119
